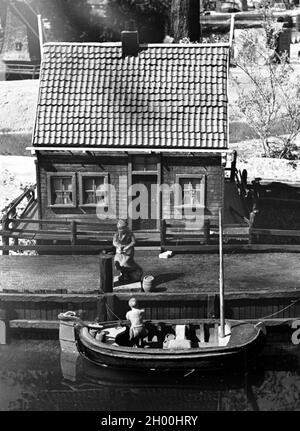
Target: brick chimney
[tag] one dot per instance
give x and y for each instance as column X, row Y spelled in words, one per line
column 130, row 43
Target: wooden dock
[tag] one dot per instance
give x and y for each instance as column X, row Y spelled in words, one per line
column 35, row 289
column 194, row 273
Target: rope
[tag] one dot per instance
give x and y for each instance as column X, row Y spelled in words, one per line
column 110, row 310
column 280, row 311
column 107, row 307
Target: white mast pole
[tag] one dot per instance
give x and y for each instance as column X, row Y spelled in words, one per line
column 41, row 33
column 221, row 279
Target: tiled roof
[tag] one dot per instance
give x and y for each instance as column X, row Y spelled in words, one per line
column 169, row 96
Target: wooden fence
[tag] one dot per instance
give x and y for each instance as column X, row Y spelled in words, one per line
column 76, row 235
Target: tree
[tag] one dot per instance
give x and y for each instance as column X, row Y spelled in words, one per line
column 146, row 16
column 74, row 20
column 185, row 20
column 70, row 20
column 272, row 97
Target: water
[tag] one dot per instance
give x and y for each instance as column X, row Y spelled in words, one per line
column 34, row 375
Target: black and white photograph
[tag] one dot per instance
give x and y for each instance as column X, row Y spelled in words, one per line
column 149, row 209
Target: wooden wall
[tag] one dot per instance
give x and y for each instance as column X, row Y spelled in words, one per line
column 116, row 167
column 244, row 305
column 210, row 167
column 116, row 164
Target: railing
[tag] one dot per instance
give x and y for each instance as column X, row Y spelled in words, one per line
column 206, row 236
column 22, row 69
column 173, row 231
column 71, row 231
column 256, row 233
column 11, row 209
column 75, row 235
column 12, row 213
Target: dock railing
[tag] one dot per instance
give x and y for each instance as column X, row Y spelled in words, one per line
column 75, row 235
column 174, row 233
column 70, row 233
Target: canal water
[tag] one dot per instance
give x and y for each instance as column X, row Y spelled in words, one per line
column 36, row 376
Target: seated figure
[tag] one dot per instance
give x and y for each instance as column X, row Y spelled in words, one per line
column 124, row 241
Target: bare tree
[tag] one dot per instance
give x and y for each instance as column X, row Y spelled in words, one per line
column 272, row 96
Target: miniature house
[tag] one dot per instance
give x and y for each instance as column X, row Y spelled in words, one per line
column 21, row 48
column 124, row 114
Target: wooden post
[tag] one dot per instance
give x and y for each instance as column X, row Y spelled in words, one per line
column 5, row 239
column 255, row 210
column 69, row 365
column 14, row 225
column 211, row 306
column 16, row 241
column 67, row 338
column 4, row 325
column 106, row 273
column 233, row 167
column 207, row 231
column 231, row 34
column 222, row 319
column 163, row 229
column 244, row 4
column 251, row 225
column 73, row 232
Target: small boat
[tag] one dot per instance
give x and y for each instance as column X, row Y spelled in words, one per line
column 169, row 344
column 181, row 344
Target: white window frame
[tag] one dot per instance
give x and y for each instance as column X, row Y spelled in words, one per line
column 71, row 175
column 81, row 176
column 202, row 180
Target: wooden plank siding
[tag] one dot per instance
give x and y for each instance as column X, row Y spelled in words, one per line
column 159, row 306
column 119, row 168
column 115, row 166
column 209, row 167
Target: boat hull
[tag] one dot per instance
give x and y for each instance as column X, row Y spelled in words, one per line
column 246, row 342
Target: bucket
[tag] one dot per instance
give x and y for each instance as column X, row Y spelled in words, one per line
column 148, row 283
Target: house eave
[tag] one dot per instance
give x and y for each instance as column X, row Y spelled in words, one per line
column 129, row 150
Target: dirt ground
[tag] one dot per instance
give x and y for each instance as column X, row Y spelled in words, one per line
column 243, row 272
column 17, row 105
column 181, row 273
column 16, row 172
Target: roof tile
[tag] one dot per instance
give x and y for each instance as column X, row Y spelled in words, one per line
column 169, row 96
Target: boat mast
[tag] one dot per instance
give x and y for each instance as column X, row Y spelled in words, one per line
column 221, row 276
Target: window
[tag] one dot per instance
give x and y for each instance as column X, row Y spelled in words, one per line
column 144, row 163
column 18, row 46
column 93, row 189
column 191, row 193
column 61, row 190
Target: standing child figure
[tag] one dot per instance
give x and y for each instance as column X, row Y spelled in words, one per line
column 137, row 328
column 124, row 241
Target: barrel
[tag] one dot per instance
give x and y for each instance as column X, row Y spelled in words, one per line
column 148, row 283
